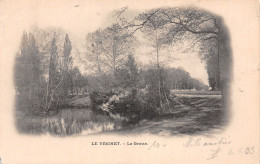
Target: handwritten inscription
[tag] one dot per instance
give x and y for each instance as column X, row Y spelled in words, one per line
column 241, row 151
column 155, row 144
column 215, row 153
column 218, row 147
column 232, row 151
column 196, row 142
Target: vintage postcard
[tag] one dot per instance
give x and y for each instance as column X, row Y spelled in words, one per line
column 86, row 81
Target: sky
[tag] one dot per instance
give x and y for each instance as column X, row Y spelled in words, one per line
column 191, row 62
column 77, row 22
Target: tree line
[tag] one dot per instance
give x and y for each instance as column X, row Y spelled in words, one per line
column 108, row 48
column 44, row 73
column 45, row 76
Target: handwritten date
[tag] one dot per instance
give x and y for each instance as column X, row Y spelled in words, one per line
column 232, row 151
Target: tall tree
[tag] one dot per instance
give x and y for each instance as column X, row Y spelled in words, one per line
column 106, row 52
column 54, row 78
column 153, row 28
column 44, row 38
column 28, row 72
column 132, row 69
column 201, row 26
column 67, row 61
column 127, row 76
column 109, row 48
column 118, row 43
column 93, row 56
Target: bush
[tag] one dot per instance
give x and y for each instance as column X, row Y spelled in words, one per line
column 156, row 100
column 132, row 106
column 128, row 106
column 97, row 99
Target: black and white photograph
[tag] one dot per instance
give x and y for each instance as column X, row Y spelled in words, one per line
column 163, row 71
column 129, row 82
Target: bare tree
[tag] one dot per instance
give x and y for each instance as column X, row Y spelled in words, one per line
column 117, row 43
column 106, row 51
column 199, row 25
column 154, row 29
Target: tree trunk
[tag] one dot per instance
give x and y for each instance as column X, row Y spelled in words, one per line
column 224, row 55
column 97, row 57
column 47, row 96
column 114, row 57
column 52, row 94
column 218, row 68
column 158, row 67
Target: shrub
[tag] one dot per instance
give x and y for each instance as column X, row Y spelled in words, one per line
column 128, row 106
column 98, row 99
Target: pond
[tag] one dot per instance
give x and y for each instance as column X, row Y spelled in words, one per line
column 67, row 122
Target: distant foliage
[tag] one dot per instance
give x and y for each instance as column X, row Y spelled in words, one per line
column 78, row 82
column 179, row 79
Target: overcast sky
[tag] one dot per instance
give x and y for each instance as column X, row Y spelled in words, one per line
column 77, row 22
column 191, row 62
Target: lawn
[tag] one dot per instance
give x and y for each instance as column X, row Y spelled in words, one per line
column 190, row 92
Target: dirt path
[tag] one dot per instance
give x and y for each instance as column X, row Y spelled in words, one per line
column 190, row 115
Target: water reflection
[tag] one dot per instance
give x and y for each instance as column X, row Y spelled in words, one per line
column 68, row 122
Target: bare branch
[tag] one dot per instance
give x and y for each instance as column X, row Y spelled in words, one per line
column 139, row 26
column 120, row 11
